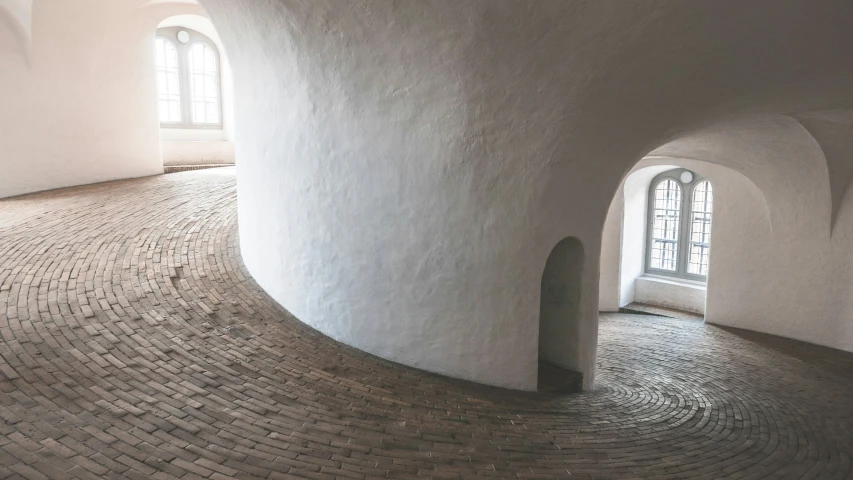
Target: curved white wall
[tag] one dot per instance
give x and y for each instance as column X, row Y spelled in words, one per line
column 66, row 117
column 406, row 167
column 787, row 276
column 80, row 106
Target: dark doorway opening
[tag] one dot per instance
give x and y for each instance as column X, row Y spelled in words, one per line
column 559, row 318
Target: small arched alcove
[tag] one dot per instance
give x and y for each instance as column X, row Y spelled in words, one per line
column 559, row 318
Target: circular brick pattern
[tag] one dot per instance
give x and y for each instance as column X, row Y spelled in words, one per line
column 135, row 345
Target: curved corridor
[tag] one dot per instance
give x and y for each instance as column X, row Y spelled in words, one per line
column 135, row 345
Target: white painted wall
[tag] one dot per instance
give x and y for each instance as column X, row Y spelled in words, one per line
column 70, row 116
column 407, row 167
column 410, row 165
column 665, row 292
column 624, row 260
column 80, row 106
column 610, row 291
column 197, row 152
column 776, row 267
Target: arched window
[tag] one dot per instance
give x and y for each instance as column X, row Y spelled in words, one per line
column 700, row 228
column 666, row 223
column 187, row 61
column 203, row 72
column 679, row 229
column 168, row 80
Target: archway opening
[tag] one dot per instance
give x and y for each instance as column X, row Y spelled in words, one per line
column 676, row 229
column 656, row 244
column 195, row 96
column 710, row 217
column 559, row 318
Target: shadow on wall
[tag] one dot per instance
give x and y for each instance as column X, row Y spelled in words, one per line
column 16, row 24
column 559, row 317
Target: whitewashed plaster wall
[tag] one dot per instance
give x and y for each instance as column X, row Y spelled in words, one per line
column 80, row 106
column 406, row 167
column 610, row 289
column 623, row 239
column 16, row 29
column 790, row 275
column 666, row 292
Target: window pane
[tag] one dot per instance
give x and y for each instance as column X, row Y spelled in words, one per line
column 665, row 226
column 203, row 73
column 168, row 80
column 700, row 233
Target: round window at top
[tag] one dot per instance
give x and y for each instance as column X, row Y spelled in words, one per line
column 184, row 36
column 686, row 177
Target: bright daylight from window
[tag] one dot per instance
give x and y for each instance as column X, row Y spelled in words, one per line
column 168, row 81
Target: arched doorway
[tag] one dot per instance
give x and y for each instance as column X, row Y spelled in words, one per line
column 559, row 318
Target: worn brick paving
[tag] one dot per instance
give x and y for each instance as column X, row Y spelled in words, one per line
column 135, row 345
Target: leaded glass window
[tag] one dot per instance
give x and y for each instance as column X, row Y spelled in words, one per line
column 203, row 72
column 679, row 228
column 168, row 80
column 189, row 91
column 665, row 225
column 700, row 228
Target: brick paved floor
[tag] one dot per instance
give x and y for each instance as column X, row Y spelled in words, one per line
column 135, row 345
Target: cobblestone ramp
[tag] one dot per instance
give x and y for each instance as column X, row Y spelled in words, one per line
column 135, row 345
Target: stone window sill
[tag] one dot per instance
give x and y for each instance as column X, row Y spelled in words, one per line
column 681, row 282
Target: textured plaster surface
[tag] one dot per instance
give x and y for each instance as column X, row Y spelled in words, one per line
column 80, row 105
column 136, row 346
column 407, row 167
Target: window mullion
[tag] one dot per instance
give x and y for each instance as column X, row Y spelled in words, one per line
column 684, row 232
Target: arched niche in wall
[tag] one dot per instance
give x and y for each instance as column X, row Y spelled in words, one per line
column 742, row 237
column 559, row 317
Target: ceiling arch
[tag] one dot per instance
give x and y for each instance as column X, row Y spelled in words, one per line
column 778, row 155
column 833, row 131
